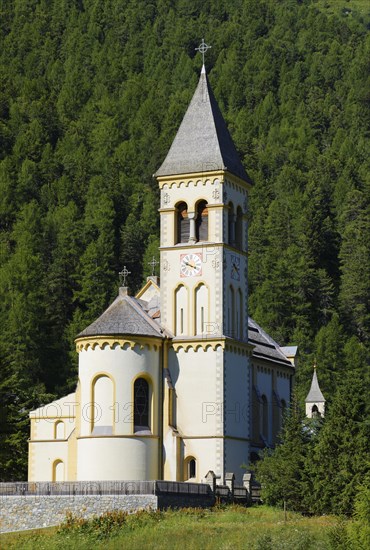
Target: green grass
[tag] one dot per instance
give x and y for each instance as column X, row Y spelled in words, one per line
column 232, row 527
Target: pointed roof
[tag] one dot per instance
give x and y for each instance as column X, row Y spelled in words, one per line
column 124, row 316
column 202, row 142
column 315, row 395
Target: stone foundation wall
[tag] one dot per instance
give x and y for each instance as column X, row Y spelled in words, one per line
column 18, row 513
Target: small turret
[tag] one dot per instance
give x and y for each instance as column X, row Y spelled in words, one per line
column 315, row 401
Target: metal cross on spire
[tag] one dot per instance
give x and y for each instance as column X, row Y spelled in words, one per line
column 203, row 47
column 153, row 263
column 123, row 275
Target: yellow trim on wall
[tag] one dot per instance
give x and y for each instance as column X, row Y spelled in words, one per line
column 85, row 342
column 56, row 429
column 197, row 285
column 54, row 465
column 174, row 308
column 94, row 379
column 201, row 177
column 145, row 288
column 131, row 436
column 202, row 244
column 187, row 460
column 226, row 343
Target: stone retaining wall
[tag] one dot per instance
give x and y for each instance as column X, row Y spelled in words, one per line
column 18, row 513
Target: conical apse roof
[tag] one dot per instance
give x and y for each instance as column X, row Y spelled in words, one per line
column 203, row 142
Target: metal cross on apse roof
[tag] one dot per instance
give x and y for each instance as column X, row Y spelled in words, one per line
column 153, row 263
column 123, row 275
column 203, row 47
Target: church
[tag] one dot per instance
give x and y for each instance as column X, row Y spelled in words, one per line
column 177, row 380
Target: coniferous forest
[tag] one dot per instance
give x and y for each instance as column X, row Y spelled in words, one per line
column 92, row 93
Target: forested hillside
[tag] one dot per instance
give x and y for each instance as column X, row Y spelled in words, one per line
column 92, row 93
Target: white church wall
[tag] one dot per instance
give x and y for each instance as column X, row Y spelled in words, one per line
column 208, row 454
column 132, row 457
column 199, row 390
column 123, row 366
column 52, row 428
column 128, row 458
column 44, row 459
column 236, row 392
column 236, row 456
column 170, row 454
column 236, row 412
column 283, row 387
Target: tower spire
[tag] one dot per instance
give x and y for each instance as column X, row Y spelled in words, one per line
column 315, row 401
column 202, row 143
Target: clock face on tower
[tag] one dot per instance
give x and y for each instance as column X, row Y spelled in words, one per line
column 235, row 268
column 190, row 265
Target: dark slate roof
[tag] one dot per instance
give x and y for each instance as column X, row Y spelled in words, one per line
column 202, row 142
column 315, row 395
column 265, row 346
column 124, row 316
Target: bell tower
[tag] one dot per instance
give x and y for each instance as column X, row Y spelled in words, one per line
column 204, row 290
column 204, row 201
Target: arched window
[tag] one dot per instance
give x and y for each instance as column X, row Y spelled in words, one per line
column 103, row 408
column 239, row 228
column 183, row 223
column 201, row 309
column 190, row 468
column 231, row 224
column 239, row 316
column 255, row 415
column 141, row 405
column 265, row 417
column 231, row 312
column 58, row 470
column 181, row 305
column 202, row 221
column 315, row 412
column 59, row 430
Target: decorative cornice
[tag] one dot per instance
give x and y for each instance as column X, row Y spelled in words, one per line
column 112, row 341
column 168, row 210
column 131, row 436
column 203, row 244
column 228, row 344
column 201, row 178
column 217, row 436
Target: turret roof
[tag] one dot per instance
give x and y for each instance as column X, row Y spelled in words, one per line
column 202, row 142
column 124, row 316
column 315, row 395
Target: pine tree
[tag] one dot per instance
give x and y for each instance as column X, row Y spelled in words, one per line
column 281, row 471
column 339, row 460
column 355, row 265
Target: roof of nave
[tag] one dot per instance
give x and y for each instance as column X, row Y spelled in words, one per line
column 315, row 395
column 126, row 315
column 203, row 142
column 59, row 408
column 265, row 346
